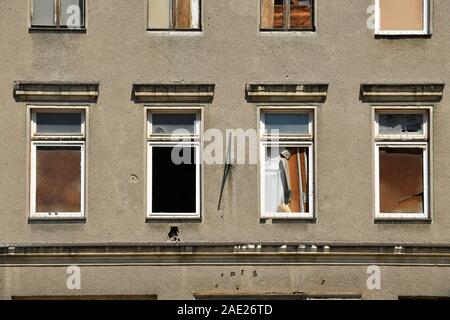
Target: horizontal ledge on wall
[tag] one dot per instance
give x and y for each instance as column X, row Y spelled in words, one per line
column 267, row 93
column 170, row 93
column 56, row 92
column 373, row 93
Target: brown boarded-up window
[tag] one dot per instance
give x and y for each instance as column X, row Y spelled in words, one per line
column 58, row 179
column 401, row 180
column 401, row 15
column 174, row 14
column 300, row 14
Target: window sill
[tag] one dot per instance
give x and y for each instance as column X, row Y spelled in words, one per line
column 393, row 36
column 56, row 30
column 411, row 220
column 287, row 33
column 39, row 220
column 182, row 33
column 277, row 220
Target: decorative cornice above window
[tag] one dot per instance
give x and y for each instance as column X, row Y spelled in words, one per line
column 56, row 92
column 168, row 93
column 315, row 93
column 401, row 92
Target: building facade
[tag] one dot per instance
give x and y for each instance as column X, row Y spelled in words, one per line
column 340, row 190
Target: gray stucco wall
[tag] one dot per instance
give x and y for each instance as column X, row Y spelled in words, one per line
column 116, row 51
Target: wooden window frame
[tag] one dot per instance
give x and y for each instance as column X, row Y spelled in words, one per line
column 415, row 141
column 173, row 19
column 169, row 140
column 286, row 19
column 295, row 140
column 57, row 17
column 426, row 22
column 57, row 141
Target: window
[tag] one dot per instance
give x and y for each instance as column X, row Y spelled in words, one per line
column 401, row 164
column 287, row 15
column 286, row 163
column 402, row 17
column 58, row 14
column 173, row 160
column 57, row 163
column 174, row 14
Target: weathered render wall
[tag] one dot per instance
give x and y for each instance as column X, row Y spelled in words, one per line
column 116, row 51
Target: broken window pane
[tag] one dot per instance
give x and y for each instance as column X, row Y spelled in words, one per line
column 272, row 14
column 400, row 123
column 174, row 186
column 169, row 123
column 287, row 123
column 300, row 14
column 286, row 180
column 401, row 15
column 159, row 14
column 401, row 180
column 58, row 123
column 72, row 13
column 43, row 13
column 58, row 179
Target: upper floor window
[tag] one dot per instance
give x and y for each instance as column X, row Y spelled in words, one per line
column 173, row 163
column 174, row 15
column 57, row 162
column 402, row 17
column 58, row 14
column 285, row 15
column 401, row 164
column 286, row 163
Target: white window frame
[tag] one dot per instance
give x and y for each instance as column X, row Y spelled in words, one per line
column 294, row 140
column 168, row 140
column 62, row 141
column 424, row 31
column 403, row 141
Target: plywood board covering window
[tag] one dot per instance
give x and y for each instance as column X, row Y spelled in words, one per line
column 173, row 163
column 57, row 163
column 174, row 14
column 402, row 16
column 58, row 179
column 402, row 164
column 286, row 163
column 287, row 15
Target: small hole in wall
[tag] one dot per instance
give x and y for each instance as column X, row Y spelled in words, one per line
column 174, row 234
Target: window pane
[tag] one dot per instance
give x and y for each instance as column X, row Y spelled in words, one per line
column 58, row 179
column 43, row 13
column 174, row 185
column 401, row 14
column 400, row 123
column 287, row 123
column 159, row 14
column 300, row 15
column 272, row 14
column 58, row 123
column 72, row 13
column 183, row 14
column 286, row 180
column 401, row 180
column 164, row 123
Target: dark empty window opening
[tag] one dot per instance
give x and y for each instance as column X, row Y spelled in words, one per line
column 287, row 15
column 174, row 185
